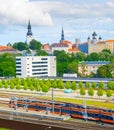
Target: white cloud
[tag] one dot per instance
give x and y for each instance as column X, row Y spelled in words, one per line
column 19, row 11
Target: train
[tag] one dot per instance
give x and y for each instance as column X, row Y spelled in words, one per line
column 62, row 108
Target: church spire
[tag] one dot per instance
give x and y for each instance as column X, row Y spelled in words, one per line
column 29, row 32
column 62, row 35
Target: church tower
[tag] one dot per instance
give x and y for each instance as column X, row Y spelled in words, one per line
column 62, row 35
column 29, row 33
column 94, row 37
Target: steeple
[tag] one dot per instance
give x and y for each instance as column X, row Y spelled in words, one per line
column 62, row 35
column 29, row 32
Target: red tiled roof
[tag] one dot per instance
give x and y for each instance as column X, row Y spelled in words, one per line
column 74, row 50
column 7, row 48
column 111, row 40
column 59, row 45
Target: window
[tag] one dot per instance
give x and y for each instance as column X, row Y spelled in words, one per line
column 39, row 62
column 39, row 73
column 43, row 58
column 18, row 63
column 18, row 66
column 18, row 70
column 18, row 74
column 18, row 59
column 35, row 66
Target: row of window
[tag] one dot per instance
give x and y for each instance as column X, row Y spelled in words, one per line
column 18, row 59
column 107, row 117
column 18, row 66
column 18, row 74
column 35, row 66
column 18, row 70
column 39, row 69
column 39, row 73
column 18, row 62
column 39, row 62
column 43, row 58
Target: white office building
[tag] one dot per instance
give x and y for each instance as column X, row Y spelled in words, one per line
column 35, row 66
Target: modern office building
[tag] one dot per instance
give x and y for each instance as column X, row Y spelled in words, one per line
column 35, row 66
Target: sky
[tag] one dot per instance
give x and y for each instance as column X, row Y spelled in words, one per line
column 79, row 19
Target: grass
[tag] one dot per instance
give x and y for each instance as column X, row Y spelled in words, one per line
column 99, row 104
column 4, row 129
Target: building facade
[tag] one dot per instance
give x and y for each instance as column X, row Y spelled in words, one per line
column 35, row 66
column 95, row 44
column 88, row 67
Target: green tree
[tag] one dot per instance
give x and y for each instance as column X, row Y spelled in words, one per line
column 18, row 87
column 80, row 56
column 73, row 85
column 82, row 91
column 109, row 93
column 7, row 65
column 35, row 45
column 68, row 85
column 38, row 88
column 54, row 84
column 25, row 87
column 62, row 62
column 93, row 85
column 12, row 86
column 3, row 81
column 87, row 85
column 83, row 68
column 104, row 56
column 73, row 67
column 103, row 71
column 1, row 85
column 45, row 88
column 31, row 87
column 90, row 92
column 93, row 57
column 101, row 85
column 6, row 85
column 80, row 84
column 110, row 84
column 60, row 84
column 100, row 92
column 48, row 83
column 41, row 53
column 20, row 46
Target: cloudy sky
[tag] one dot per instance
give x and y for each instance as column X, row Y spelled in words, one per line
column 79, row 19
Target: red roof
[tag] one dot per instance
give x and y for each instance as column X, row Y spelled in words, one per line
column 111, row 40
column 7, row 48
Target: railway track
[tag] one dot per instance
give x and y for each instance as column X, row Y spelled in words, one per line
column 71, row 125
column 60, row 124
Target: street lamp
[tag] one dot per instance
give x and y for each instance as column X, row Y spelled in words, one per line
column 49, row 127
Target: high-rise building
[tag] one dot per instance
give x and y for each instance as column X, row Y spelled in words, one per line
column 29, row 35
column 35, row 66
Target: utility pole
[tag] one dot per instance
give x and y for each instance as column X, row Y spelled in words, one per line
column 85, row 112
column 52, row 101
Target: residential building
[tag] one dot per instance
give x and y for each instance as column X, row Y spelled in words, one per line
column 8, row 49
column 35, row 66
column 88, row 67
column 65, row 45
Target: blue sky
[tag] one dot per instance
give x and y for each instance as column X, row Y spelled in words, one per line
column 79, row 19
